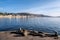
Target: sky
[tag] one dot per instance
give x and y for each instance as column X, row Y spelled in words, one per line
column 46, row 7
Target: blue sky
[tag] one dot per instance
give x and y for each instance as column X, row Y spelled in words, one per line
column 47, row 7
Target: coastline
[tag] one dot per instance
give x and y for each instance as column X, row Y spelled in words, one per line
column 7, row 35
column 11, row 16
column 17, row 16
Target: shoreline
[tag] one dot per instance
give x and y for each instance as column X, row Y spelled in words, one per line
column 11, row 16
column 17, row 16
column 7, row 35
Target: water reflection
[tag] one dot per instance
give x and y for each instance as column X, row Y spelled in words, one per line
column 39, row 24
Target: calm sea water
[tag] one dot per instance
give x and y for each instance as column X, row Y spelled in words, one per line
column 44, row 24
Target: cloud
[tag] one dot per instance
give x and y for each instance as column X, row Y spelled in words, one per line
column 1, row 8
column 52, row 8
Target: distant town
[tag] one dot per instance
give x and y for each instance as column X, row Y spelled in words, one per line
column 23, row 14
